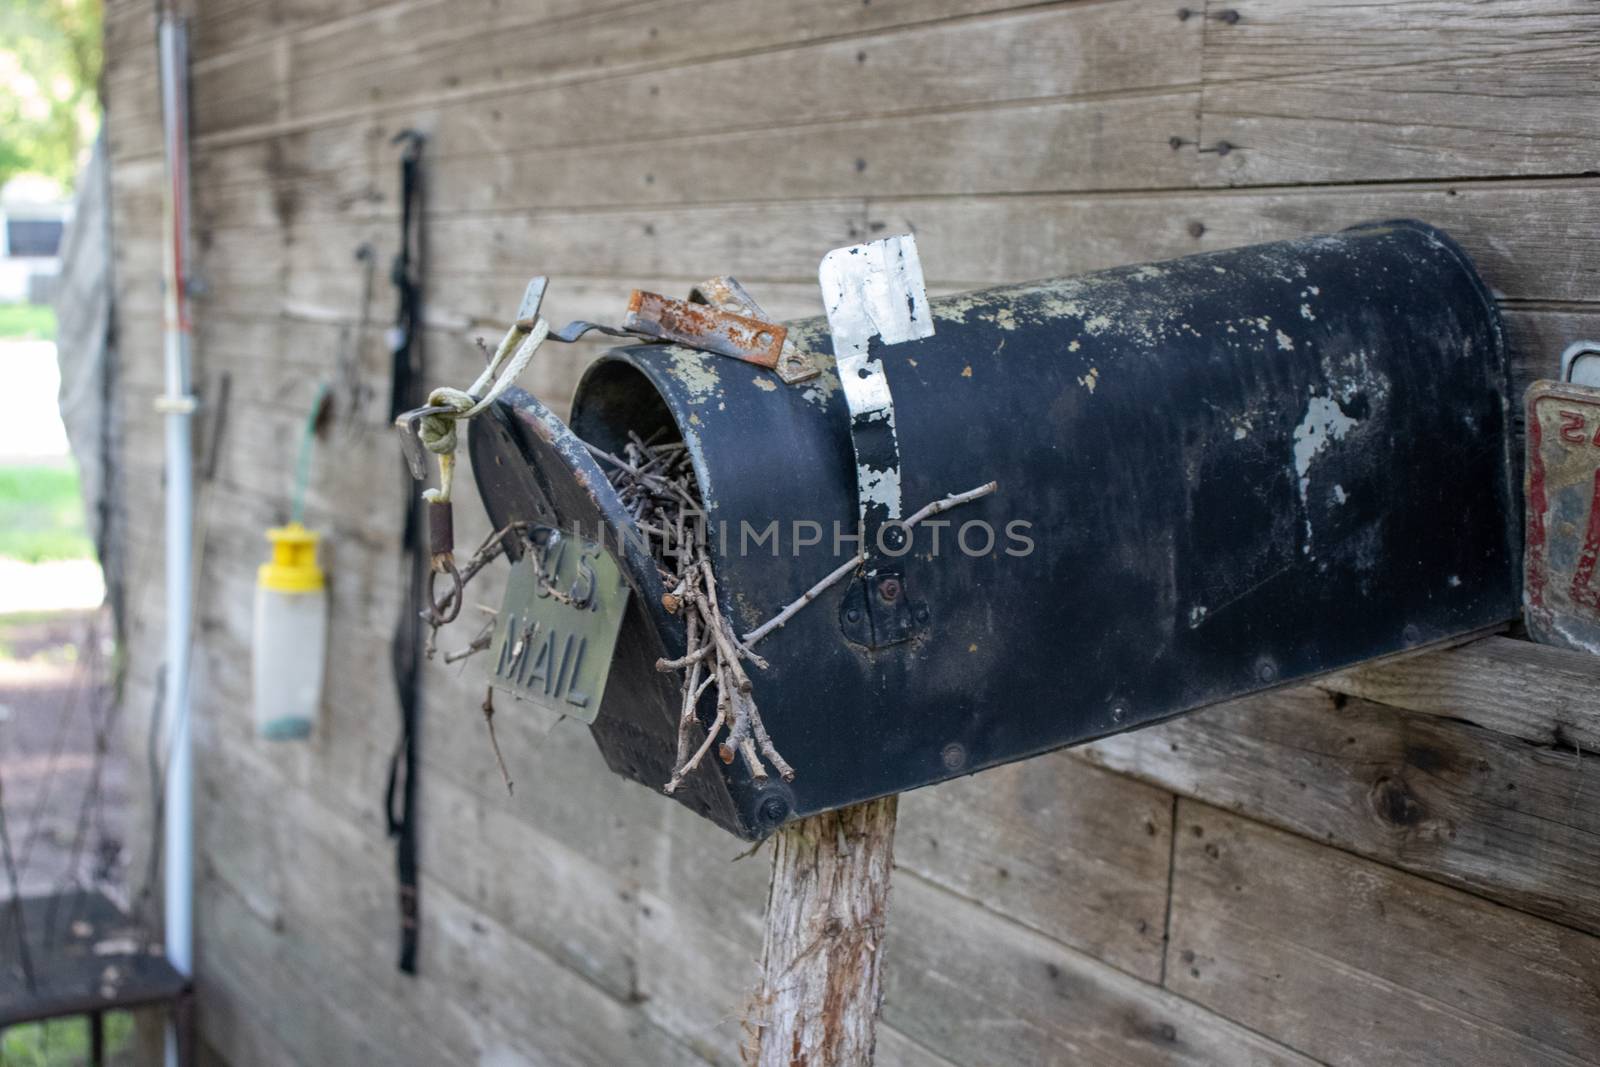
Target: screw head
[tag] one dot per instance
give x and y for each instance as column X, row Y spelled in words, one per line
column 1266, row 671
column 774, row 809
column 852, row 614
column 889, row 589
column 1119, row 713
column 954, row 756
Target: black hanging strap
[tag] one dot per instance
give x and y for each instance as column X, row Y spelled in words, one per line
column 406, row 392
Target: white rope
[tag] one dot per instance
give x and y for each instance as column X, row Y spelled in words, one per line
column 438, row 432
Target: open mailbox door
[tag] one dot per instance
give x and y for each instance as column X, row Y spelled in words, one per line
column 1216, row 475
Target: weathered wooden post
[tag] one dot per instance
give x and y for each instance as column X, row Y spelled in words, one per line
column 822, row 960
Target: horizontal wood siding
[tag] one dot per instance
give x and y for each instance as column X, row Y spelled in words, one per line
column 1398, row 866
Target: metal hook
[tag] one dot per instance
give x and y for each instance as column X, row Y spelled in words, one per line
column 443, row 612
column 1576, row 360
column 410, row 426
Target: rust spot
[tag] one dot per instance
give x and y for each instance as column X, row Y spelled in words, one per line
column 707, row 328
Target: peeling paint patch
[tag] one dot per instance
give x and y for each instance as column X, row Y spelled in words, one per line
column 972, row 647
column 1284, row 342
column 1074, row 346
column 1339, row 495
column 1351, row 376
column 1004, row 319
column 1306, row 313
column 1098, row 324
column 1197, row 615
column 697, row 372
column 1322, row 425
column 1455, row 581
column 966, row 372
column 880, row 487
column 763, row 382
column 1090, row 380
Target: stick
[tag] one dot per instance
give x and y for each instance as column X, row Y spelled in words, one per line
column 837, row 575
column 480, row 642
column 494, row 742
column 700, row 753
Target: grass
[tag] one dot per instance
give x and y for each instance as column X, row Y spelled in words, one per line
column 62, row 1042
column 41, row 514
column 27, row 322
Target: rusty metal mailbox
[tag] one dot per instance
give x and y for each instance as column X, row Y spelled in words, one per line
column 1216, row 475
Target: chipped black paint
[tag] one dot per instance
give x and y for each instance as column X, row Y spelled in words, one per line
column 1243, row 469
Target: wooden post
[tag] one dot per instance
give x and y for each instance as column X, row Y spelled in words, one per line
column 821, row 965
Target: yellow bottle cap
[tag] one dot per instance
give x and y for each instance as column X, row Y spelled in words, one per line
column 293, row 567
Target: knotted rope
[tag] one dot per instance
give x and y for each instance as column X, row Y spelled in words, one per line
column 438, row 431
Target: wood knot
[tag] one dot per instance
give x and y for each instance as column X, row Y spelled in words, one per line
column 1393, row 802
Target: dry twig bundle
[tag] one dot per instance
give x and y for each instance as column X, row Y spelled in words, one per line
column 656, row 483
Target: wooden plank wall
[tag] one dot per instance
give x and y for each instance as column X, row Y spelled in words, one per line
column 1401, row 866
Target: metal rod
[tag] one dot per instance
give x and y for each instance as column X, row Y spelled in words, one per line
column 97, row 1039
column 177, row 404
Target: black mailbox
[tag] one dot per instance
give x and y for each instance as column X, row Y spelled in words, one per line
column 1232, row 471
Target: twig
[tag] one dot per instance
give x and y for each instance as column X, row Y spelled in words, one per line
column 782, row 617
column 656, row 484
column 494, row 742
column 479, row 643
column 838, row 574
column 700, row 753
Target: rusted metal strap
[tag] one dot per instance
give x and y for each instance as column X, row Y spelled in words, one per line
column 705, row 327
column 726, row 294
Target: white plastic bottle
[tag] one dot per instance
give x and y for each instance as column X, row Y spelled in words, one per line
column 291, row 630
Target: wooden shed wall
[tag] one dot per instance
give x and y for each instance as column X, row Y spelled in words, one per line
column 1400, row 866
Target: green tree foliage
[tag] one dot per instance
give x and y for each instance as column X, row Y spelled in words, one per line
column 49, row 86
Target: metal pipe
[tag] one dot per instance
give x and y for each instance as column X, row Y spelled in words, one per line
column 177, row 404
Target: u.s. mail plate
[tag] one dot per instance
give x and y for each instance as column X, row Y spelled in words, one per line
column 557, row 629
